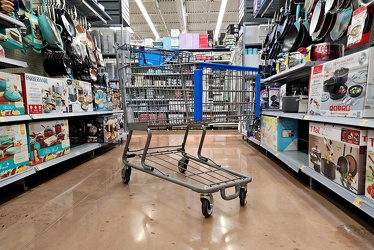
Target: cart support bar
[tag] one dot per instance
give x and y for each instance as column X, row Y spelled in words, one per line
column 198, row 95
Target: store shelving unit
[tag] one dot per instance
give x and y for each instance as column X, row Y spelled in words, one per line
column 11, row 63
column 9, row 22
column 297, row 160
column 17, row 177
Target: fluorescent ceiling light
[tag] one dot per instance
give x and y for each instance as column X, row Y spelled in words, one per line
column 147, row 18
column 222, row 11
column 129, row 29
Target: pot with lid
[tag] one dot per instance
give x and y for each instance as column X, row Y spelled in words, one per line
column 315, row 158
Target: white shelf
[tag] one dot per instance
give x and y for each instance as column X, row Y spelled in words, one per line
column 17, row 177
column 299, row 116
column 299, row 71
column 298, row 161
column 74, row 152
column 66, row 115
column 11, row 63
column 16, row 118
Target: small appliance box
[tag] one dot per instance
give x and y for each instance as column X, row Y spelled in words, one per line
column 77, row 131
column 280, row 134
column 49, row 139
column 274, row 97
column 339, row 153
column 102, row 129
column 115, row 97
column 14, row 153
column 344, row 86
column 11, row 99
column 80, row 97
column 369, row 180
column 101, row 100
column 44, row 95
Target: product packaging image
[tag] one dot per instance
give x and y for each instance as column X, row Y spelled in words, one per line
column 339, row 153
column 343, row 87
column 279, row 134
column 77, row 130
column 14, row 153
column 11, row 99
column 49, row 139
column 80, row 97
column 43, row 95
column 102, row 100
column 102, row 129
column 369, row 180
column 274, row 97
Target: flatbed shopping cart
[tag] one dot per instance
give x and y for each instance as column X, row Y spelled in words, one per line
column 180, row 92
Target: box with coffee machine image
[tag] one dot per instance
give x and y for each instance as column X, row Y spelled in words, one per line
column 80, row 98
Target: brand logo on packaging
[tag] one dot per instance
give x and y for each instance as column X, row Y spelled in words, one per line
column 36, row 78
column 315, row 130
column 317, row 69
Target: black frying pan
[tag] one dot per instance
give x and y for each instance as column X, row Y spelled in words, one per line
column 65, row 20
column 293, row 39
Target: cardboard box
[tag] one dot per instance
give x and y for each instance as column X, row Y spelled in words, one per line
column 185, row 41
column 11, row 99
column 77, row 130
column 339, row 153
column 174, row 32
column 369, row 179
column 174, row 42
column 14, row 153
column 102, row 129
column 115, row 97
column 343, row 87
column 274, row 97
column 43, row 95
column 166, row 41
column 80, row 97
column 49, row 139
column 280, row 134
column 195, row 41
column 101, row 98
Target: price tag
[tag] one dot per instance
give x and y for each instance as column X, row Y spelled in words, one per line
column 2, row 119
column 302, row 167
column 77, row 153
column 306, row 117
column 357, row 202
column 36, row 116
column 278, row 115
column 277, row 155
column 364, row 122
column 40, row 167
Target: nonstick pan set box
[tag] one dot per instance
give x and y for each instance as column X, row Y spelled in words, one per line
column 343, row 87
column 11, row 99
column 43, row 95
column 102, row 129
column 48, row 140
column 369, row 181
column 280, row 134
column 339, row 153
column 14, row 154
column 80, row 96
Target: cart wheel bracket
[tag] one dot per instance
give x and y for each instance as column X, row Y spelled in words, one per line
column 207, row 204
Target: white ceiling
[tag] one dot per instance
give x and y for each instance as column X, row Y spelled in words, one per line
column 202, row 15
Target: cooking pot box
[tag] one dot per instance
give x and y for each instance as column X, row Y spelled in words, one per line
column 339, row 153
column 343, row 87
column 369, row 180
column 11, row 99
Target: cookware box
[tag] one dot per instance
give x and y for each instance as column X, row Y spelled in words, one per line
column 43, row 95
column 11, row 99
column 279, row 134
column 80, row 96
column 343, row 87
column 48, row 140
column 14, row 154
column 102, row 100
column 339, row 153
column 369, row 180
column 102, row 129
column 77, row 130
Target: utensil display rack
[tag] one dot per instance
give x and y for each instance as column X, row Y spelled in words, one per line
column 298, row 160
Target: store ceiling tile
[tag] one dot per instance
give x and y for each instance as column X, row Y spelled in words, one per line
column 202, row 16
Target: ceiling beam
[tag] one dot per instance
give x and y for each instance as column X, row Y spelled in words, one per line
column 181, row 9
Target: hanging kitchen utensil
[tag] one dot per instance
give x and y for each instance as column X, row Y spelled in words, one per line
column 32, row 36
column 359, row 29
column 270, row 38
column 73, row 50
column 293, row 39
column 343, row 19
column 317, row 18
column 27, row 5
column 287, row 20
column 328, row 23
column 331, row 6
column 66, row 22
column 309, row 5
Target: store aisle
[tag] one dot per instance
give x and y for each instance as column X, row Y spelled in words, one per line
column 89, row 207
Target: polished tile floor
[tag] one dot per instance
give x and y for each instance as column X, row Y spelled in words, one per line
column 88, row 207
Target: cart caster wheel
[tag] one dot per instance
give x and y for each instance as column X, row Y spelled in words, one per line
column 206, row 207
column 126, row 173
column 243, row 196
column 182, row 165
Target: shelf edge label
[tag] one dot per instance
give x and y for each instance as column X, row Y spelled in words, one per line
column 357, row 202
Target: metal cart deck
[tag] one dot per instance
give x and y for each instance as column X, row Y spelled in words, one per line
column 175, row 91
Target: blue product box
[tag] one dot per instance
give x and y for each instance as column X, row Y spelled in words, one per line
column 14, row 154
column 279, row 134
column 11, row 99
column 48, row 140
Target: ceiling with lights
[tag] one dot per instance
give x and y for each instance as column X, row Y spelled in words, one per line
column 194, row 16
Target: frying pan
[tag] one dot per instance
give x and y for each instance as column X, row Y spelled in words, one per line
column 317, row 18
column 66, row 22
column 331, row 6
column 342, row 163
column 285, row 23
column 309, row 5
column 293, row 39
column 270, row 38
column 328, row 23
column 343, row 19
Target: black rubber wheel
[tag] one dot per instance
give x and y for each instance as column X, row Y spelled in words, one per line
column 206, row 208
column 126, row 173
column 242, row 196
column 182, row 165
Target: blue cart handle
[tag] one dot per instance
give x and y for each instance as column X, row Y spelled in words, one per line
column 201, row 65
